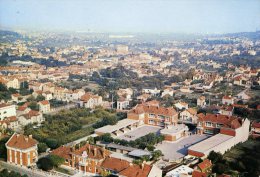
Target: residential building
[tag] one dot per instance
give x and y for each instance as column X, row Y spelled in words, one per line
column 205, row 166
column 87, row 158
column 255, row 129
column 228, row 100
column 180, row 171
column 22, row 150
column 189, row 116
column 7, row 110
column 201, row 101
column 181, row 105
column 212, row 123
column 122, row 103
column 153, row 115
column 44, row 106
column 89, row 100
column 9, row 122
column 124, row 168
column 31, row 117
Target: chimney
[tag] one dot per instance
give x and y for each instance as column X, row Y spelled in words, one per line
column 142, row 166
column 30, row 136
column 95, row 152
column 26, row 139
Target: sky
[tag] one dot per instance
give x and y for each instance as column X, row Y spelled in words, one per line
column 130, row 16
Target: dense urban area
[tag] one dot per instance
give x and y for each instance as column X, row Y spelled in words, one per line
column 139, row 105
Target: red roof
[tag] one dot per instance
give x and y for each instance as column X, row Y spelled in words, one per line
column 205, row 164
column 198, row 174
column 227, row 97
column 44, row 102
column 139, row 109
column 20, row 141
column 227, row 121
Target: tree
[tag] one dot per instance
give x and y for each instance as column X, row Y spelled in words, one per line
column 52, row 143
column 42, row 147
column 24, row 85
column 156, row 154
column 34, row 106
column 215, row 157
column 219, row 168
column 56, row 160
column 3, row 150
column 45, row 164
column 40, row 98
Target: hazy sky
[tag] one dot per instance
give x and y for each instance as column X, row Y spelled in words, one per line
column 185, row 16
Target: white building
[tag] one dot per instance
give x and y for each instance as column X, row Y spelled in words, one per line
column 7, row 110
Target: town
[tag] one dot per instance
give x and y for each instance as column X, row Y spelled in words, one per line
column 103, row 105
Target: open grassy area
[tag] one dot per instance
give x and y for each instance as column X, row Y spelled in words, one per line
column 68, row 125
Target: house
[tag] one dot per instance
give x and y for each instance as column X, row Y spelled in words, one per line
column 241, row 80
column 212, row 123
column 123, row 168
column 181, row 105
column 10, row 82
column 152, row 91
column 201, row 101
column 44, row 106
column 24, row 109
column 89, row 100
column 189, row 116
column 22, row 150
column 167, row 91
column 48, row 95
column 243, row 96
column 9, row 122
column 153, row 115
column 143, row 97
column 228, row 100
column 174, row 133
column 17, row 98
column 205, row 166
column 30, row 118
column 87, row 158
column 226, row 110
column 122, row 103
column 7, row 110
column 185, row 90
column 126, row 93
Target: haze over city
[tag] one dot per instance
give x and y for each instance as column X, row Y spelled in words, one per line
column 150, row 16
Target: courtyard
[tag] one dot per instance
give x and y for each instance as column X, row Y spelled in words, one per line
column 175, row 150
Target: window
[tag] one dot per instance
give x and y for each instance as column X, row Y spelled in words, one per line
column 151, row 122
column 152, row 115
column 219, row 125
column 208, row 124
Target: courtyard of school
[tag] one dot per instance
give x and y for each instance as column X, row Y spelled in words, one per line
column 175, row 150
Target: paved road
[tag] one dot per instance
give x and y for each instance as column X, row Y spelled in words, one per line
column 29, row 172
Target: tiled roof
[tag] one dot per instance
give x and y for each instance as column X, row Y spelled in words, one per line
column 2, row 105
column 227, row 97
column 198, row 174
column 192, row 111
column 8, row 120
column 139, row 109
column 63, row 151
column 227, row 121
column 205, row 164
column 126, row 168
column 20, row 141
column 115, row 164
column 44, row 102
column 137, row 170
column 256, row 124
column 90, row 149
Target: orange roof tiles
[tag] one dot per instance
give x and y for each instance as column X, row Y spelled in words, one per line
column 20, row 141
column 227, row 121
column 205, row 164
column 139, row 109
column 44, row 102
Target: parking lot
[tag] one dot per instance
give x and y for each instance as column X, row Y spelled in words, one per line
column 175, row 150
column 139, row 132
